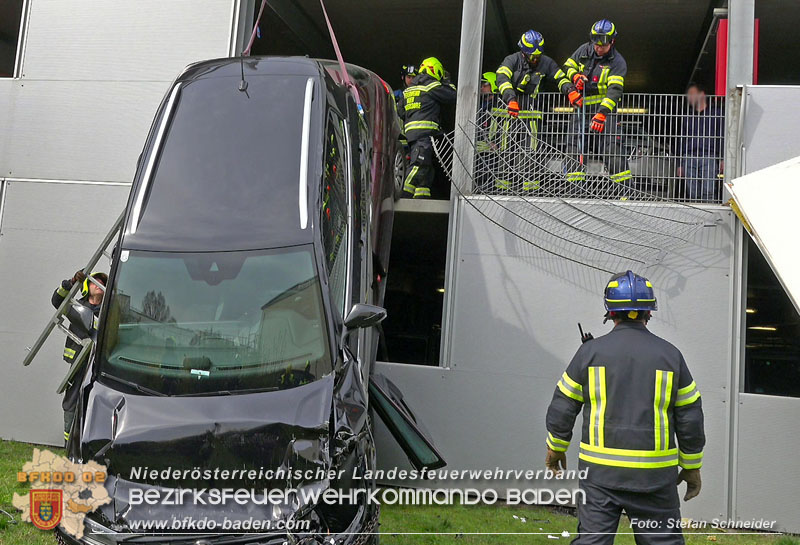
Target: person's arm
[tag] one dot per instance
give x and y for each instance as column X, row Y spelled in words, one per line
column 616, row 83
column 567, row 402
column 63, row 290
column 689, row 428
column 504, row 74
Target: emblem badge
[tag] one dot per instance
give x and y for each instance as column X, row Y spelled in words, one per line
column 46, row 508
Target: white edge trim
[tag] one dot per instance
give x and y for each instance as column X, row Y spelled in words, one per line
column 302, row 201
column 148, row 173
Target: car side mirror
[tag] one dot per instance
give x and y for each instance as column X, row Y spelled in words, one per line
column 363, row 315
column 81, row 318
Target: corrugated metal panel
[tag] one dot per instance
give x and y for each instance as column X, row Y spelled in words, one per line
column 768, row 471
column 514, row 332
column 107, row 40
column 49, row 231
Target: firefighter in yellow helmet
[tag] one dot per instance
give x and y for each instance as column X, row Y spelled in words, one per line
column 91, row 297
column 422, row 103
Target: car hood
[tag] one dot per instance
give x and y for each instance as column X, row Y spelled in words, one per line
column 139, row 437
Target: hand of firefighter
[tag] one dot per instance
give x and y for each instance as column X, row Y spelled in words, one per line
column 579, row 80
column 79, row 276
column 575, row 99
column 555, row 461
column 693, row 483
column 513, row 108
column 599, row 122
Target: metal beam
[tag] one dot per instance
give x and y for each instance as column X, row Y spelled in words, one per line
column 473, row 22
column 303, row 26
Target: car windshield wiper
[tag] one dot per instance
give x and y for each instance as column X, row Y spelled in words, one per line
column 137, row 387
column 231, row 392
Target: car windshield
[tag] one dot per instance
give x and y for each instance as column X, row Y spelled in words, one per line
column 209, row 323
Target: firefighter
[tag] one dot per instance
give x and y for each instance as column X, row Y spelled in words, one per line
column 642, row 419
column 519, row 78
column 486, row 157
column 91, row 297
column 422, row 104
column 597, row 72
column 407, row 75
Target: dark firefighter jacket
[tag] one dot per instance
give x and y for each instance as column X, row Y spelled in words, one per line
column 516, row 77
column 422, row 106
column 71, row 348
column 642, row 413
column 606, row 76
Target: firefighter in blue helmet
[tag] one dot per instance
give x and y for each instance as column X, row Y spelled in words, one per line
column 91, row 297
column 422, row 103
column 407, row 75
column 642, row 420
column 519, row 79
column 597, row 71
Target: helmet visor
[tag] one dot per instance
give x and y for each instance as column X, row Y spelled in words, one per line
column 601, row 39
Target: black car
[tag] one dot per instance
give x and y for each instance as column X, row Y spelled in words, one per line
column 238, row 329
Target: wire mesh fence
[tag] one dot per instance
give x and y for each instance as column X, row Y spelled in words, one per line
column 620, row 204
column 655, row 146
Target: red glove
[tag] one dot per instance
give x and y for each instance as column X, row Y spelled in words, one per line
column 513, row 108
column 598, row 122
column 579, row 80
column 575, row 99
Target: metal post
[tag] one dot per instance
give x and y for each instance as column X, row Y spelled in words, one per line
column 741, row 22
column 473, row 22
column 473, row 19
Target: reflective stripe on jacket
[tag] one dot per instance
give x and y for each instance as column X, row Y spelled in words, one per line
column 421, row 106
column 642, row 412
column 606, row 76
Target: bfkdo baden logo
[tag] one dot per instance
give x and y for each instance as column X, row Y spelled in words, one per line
column 47, row 507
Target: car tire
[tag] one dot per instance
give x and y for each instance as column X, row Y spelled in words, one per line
column 399, row 172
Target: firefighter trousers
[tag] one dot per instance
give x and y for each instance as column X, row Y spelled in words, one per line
column 654, row 516
column 420, row 169
column 607, row 146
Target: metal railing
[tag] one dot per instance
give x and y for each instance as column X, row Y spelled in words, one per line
column 653, row 147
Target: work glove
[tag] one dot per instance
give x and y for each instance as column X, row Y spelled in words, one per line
column 575, row 99
column 79, row 276
column 579, row 80
column 598, row 122
column 513, row 108
column 555, row 461
column 693, row 484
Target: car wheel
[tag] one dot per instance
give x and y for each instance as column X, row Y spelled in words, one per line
column 399, row 172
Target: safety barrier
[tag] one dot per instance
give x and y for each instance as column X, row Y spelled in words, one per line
column 653, row 147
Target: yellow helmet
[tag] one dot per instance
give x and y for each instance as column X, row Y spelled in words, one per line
column 491, row 79
column 433, row 67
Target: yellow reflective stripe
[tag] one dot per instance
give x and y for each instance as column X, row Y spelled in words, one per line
column 556, row 440
column 570, row 388
column 562, row 83
column 422, row 191
column 690, row 461
column 408, row 186
column 554, row 446
column 66, row 436
column 421, row 125
column 641, row 459
column 69, row 352
column 593, row 99
column 663, row 394
column 608, row 103
column 505, row 70
column 423, row 88
column 687, row 395
column 504, row 86
column 572, row 63
column 597, row 395
column 62, row 292
column 576, row 176
column 616, row 80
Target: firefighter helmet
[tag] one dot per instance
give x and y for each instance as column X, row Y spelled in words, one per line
column 531, row 44
column 603, row 32
column 491, row 79
column 408, row 70
column 433, row 67
column 629, row 291
column 99, row 276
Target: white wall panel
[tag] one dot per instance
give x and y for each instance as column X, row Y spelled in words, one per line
column 514, row 331
column 49, row 230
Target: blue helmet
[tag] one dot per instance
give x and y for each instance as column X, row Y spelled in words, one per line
column 603, row 32
column 629, row 291
column 531, row 44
